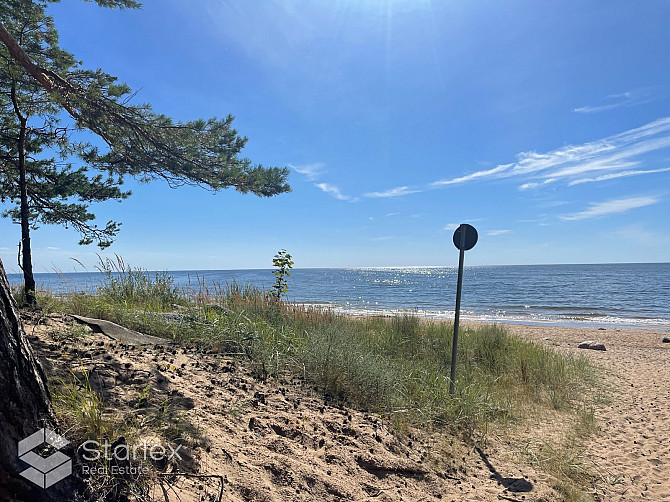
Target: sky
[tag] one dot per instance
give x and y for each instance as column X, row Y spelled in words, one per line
column 546, row 125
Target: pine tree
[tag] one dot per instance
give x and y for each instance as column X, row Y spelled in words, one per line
column 36, row 175
column 52, row 176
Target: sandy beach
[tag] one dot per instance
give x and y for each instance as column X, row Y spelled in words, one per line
column 277, row 441
column 631, row 450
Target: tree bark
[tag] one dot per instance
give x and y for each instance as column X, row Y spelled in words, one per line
column 26, row 251
column 24, row 60
column 25, row 407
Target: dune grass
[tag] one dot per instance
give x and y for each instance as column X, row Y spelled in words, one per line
column 397, row 366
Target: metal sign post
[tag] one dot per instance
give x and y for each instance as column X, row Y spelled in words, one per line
column 465, row 238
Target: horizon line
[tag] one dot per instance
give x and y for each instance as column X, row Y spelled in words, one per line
column 387, row 267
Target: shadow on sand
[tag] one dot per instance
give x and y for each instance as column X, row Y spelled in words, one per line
column 516, row 485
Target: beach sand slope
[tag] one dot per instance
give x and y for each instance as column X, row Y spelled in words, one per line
column 631, row 451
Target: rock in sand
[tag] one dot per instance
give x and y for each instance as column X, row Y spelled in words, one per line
column 592, row 345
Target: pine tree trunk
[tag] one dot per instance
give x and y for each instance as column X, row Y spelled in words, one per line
column 25, row 406
column 26, row 251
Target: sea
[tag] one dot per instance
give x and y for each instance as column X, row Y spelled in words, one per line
column 626, row 295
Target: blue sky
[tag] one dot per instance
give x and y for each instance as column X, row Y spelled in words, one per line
column 546, row 125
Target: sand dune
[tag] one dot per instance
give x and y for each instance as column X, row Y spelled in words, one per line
column 276, row 441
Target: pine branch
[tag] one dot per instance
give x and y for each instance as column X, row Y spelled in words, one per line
column 142, row 143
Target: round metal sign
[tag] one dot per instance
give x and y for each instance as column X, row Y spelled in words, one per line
column 470, row 239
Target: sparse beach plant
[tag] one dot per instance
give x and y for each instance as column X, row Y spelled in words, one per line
column 283, row 263
column 136, row 287
column 80, row 404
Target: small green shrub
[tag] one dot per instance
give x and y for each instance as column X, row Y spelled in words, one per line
column 284, row 264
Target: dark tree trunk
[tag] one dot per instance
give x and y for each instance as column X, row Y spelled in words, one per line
column 25, row 407
column 26, row 251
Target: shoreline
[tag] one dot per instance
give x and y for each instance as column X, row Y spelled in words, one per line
column 447, row 316
column 575, row 324
column 619, row 297
column 493, row 315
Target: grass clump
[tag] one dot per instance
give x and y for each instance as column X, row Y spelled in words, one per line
column 82, row 407
column 81, row 410
column 135, row 287
column 128, row 473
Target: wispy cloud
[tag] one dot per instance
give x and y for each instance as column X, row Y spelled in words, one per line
column 454, row 226
column 621, row 174
column 335, row 192
column 393, row 192
column 613, row 154
column 470, row 177
column 613, row 206
column 311, row 171
column 612, row 157
column 640, row 235
column 497, row 232
column 534, row 184
column 623, row 99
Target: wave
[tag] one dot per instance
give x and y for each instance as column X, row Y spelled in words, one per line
column 590, row 319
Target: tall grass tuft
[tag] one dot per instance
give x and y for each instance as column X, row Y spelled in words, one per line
column 82, row 407
column 136, row 287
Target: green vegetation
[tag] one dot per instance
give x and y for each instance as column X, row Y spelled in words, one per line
column 84, row 414
column 125, row 285
column 395, row 366
column 80, row 405
column 284, row 264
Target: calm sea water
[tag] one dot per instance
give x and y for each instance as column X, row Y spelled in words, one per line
column 616, row 294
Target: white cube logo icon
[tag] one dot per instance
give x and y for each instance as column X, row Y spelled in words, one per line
column 45, row 471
